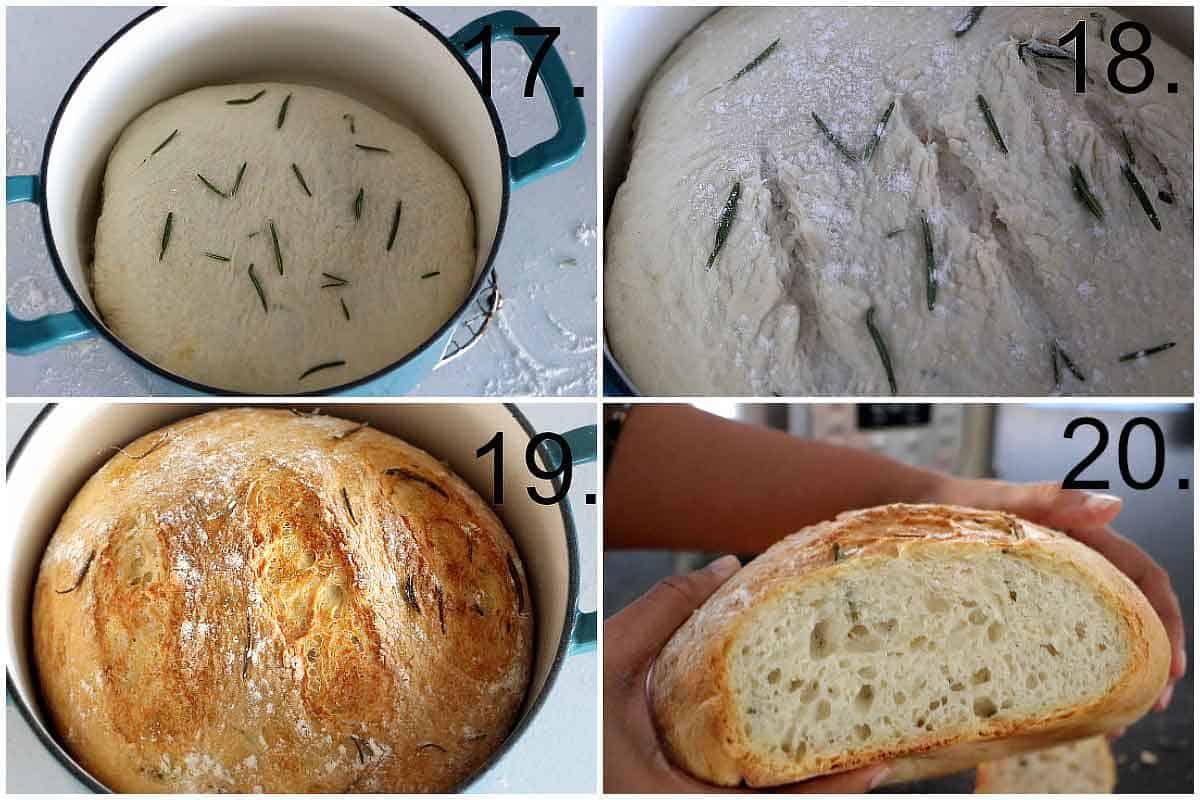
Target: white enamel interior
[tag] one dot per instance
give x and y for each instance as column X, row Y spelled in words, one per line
column 376, row 55
column 75, row 439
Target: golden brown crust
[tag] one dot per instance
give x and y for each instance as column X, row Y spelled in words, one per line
column 258, row 600
column 689, row 688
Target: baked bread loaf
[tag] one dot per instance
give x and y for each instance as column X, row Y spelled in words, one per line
column 258, row 600
column 750, row 238
column 1085, row 766
column 361, row 237
column 932, row 636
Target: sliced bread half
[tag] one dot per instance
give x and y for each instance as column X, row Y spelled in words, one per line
column 1085, row 766
column 931, row 636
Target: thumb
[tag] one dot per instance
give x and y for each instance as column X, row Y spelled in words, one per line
column 855, row 781
column 648, row 622
column 1051, row 505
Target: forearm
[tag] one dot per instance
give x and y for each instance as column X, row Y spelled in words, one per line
column 683, row 479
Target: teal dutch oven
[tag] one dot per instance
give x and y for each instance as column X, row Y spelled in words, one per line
column 389, row 58
column 66, row 444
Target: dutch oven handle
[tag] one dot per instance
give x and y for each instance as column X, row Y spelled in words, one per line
column 582, row 442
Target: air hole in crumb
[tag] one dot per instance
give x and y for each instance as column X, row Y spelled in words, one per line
column 1080, row 630
column 918, row 643
column 801, row 749
column 899, row 698
column 1051, row 649
column 887, row 626
column 1101, row 647
column 823, row 710
column 1031, row 681
column 863, row 732
column 977, row 617
column 982, row 676
column 957, row 686
column 867, row 672
column 773, row 676
column 995, row 631
column 936, row 604
column 819, row 645
column 985, row 708
column 863, row 699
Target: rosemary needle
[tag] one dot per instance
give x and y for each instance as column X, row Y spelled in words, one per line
column 245, row 100
column 931, row 285
column 350, row 118
column 1074, row 370
column 209, row 184
column 372, row 149
column 1128, row 149
column 893, row 234
column 967, row 22
column 283, row 112
column 991, row 122
column 262, row 298
column 395, row 225
column 879, row 128
column 725, row 223
column 1136, row 185
column 345, row 311
column 358, row 204
column 166, row 141
column 237, row 182
column 1084, row 193
column 300, row 177
column 337, row 280
column 429, row 275
column 1054, row 364
column 757, row 61
column 833, row 139
column 166, row 237
column 1147, row 352
column 216, row 257
column 319, row 367
column 275, row 245
column 881, row 348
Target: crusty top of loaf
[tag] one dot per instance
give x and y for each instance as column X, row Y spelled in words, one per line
column 263, row 600
column 691, row 697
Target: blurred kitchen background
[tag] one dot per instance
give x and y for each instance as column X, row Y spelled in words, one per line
column 1015, row 442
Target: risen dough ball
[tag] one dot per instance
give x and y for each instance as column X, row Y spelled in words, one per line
column 818, row 240
column 252, row 600
column 202, row 317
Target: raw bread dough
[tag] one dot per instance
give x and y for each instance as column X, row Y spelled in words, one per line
column 202, row 318
column 1020, row 261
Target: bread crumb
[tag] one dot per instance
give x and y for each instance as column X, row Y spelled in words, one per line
column 1146, row 757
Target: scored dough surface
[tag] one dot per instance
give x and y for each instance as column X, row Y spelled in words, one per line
column 1019, row 260
column 202, row 318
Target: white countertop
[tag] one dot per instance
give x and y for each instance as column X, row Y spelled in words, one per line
column 557, row 753
column 544, row 340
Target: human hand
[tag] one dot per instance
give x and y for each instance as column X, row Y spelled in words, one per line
column 634, row 760
column 1084, row 516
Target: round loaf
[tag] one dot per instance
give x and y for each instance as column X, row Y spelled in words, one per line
column 932, row 637
column 260, row 600
column 361, row 237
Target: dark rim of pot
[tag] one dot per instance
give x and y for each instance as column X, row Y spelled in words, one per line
column 98, row 325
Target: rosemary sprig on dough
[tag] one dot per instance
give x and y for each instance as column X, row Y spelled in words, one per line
column 409, row 475
column 395, row 225
column 275, row 245
column 283, row 112
column 87, row 564
column 755, row 62
column 1128, row 149
column 300, row 177
column 881, row 348
column 1079, row 183
column 931, row 284
column 968, row 21
column 850, row 155
column 371, row 148
column 336, row 281
column 245, row 100
column 216, row 256
column 725, row 223
column 237, row 182
column 350, row 119
column 1040, row 49
column 349, row 508
column 319, row 367
column 879, row 128
column 345, row 310
column 991, row 122
column 430, row 275
column 165, row 142
column 166, row 237
column 1149, row 351
column 1136, row 185
column 262, row 298
column 1056, row 352
column 209, row 184
column 358, row 203
column 893, row 234
column 515, row 574
column 410, row 594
